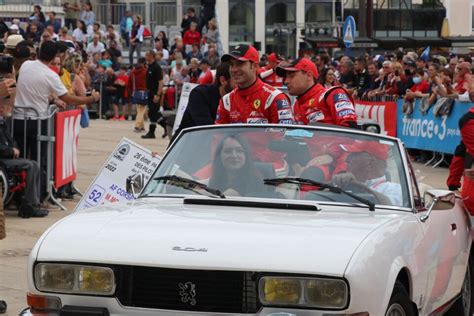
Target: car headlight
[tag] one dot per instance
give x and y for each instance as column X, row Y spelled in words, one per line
column 76, row 279
column 303, row 292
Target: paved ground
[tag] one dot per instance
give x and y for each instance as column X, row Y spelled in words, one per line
column 95, row 145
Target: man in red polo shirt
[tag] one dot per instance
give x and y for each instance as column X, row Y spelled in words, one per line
column 253, row 101
column 314, row 103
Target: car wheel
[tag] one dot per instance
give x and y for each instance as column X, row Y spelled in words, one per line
column 400, row 304
column 465, row 304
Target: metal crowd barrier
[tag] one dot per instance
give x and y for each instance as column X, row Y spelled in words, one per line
column 380, row 98
column 49, row 137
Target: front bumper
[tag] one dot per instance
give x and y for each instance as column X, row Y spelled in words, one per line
column 86, row 311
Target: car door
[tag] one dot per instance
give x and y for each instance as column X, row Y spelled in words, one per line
column 438, row 253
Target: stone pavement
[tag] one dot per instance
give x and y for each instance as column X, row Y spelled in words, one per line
column 95, row 145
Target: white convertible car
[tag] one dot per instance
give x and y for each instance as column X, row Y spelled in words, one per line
column 264, row 220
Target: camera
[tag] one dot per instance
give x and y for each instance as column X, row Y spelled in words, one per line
column 6, row 64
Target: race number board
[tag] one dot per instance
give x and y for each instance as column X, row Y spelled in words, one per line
column 109, row 186
column 183, row 103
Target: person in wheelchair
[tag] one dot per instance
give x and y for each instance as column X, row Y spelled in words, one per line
column 366, row 172
column 234, row 171
column 10, row 160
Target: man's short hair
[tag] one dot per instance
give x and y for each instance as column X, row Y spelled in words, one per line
column 191, row 10
column 48, row 51
column 362, row 60
column 222, row 70
column 141, row 60
column 151, row 52
column 53, row 13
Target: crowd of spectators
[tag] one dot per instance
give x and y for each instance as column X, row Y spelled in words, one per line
column 95, row 53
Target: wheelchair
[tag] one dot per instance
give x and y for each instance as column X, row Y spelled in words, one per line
column 12, row 181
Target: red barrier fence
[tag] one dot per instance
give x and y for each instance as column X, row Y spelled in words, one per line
column 382, row 112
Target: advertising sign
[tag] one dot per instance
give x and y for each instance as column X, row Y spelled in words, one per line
column 430, row 132
column 383, row 113
column 109, row 186
column 183, row 103
column 67, row 133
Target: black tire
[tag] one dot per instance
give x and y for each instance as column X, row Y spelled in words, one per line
column 400, row 304
column 464, row 306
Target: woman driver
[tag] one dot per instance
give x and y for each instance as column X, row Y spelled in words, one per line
column 233, row 171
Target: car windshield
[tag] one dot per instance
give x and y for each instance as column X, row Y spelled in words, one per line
column 271, row 162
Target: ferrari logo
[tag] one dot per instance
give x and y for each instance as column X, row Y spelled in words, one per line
column 311, row 101
column 256, row 103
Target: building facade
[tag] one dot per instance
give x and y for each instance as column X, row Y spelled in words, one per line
column 281, row 25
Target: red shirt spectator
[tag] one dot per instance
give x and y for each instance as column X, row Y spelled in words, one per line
column 137, row 79
column 192, row 36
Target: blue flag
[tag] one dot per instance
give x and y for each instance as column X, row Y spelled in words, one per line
column 426, row 54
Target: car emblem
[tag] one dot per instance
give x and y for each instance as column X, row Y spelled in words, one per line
column 187, row 292
column 189, row 249
column 256, row 103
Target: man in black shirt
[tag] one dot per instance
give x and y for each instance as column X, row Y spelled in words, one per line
column 154, row 85
column 204, row 100
column 362, row 79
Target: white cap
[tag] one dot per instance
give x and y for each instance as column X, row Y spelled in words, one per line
column 14, row 27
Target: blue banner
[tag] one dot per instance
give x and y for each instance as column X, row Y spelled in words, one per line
column 427, row 132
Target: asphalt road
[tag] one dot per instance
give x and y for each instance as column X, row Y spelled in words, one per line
column 95, row 145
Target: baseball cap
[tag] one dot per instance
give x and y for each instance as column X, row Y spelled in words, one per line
column 242, row 52
column 13, row 40
column 301, row 64
column 273, row 58
column 373, row 148
column 21, row 50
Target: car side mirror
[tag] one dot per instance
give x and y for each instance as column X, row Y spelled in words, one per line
column 135, row 183
column 438, row 200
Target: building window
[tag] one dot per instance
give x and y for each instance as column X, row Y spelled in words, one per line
column 472, row 18
column 280, row 21
column 241, row 22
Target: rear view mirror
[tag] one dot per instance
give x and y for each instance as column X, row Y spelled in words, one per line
column 135, row 184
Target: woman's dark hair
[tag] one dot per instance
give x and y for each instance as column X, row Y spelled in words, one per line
column 164, row 40
column 87, row 3
column 223, row 69
column 48, row 51
column 324, row 74
column 247, row 178
column 82, row 26
column 447, row 72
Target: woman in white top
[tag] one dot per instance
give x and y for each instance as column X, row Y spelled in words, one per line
column 88, row 16
column 80, row 32
column 136, row 38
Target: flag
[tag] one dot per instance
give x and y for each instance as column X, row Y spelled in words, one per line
column 426, row 54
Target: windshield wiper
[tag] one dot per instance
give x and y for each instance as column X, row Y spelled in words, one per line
column 330, row 187
column 191, row 184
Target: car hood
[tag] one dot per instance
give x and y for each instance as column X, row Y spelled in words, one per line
column 168, row 233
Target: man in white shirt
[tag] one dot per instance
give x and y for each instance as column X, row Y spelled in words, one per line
column 36, row 83
column 366, row 167
column 96, row 46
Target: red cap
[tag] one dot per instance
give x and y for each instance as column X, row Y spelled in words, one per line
column 373, row 148
column 302, row 64
column 273, row 58
column 242, row 52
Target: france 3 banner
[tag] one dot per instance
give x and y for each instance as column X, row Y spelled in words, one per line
column 383, row 113
column 67, row 134
column 109, row 186
column 430, row 132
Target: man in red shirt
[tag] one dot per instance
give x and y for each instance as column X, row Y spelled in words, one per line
column 267, row 73
column 462, row 77
column 253, row 101
column 314, row 103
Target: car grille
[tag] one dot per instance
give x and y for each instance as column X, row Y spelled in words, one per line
column 188, row 290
